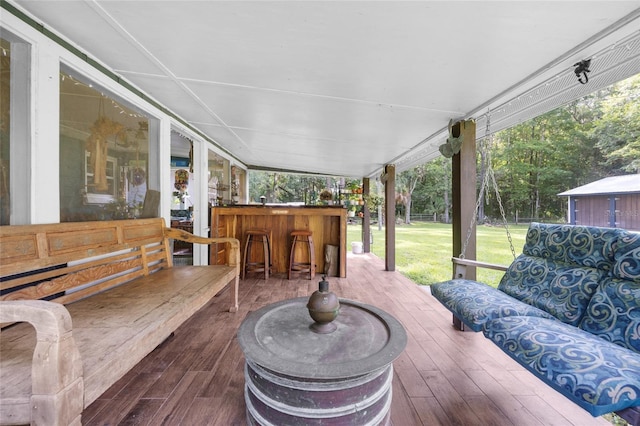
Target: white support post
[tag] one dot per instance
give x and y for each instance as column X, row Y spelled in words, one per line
column 160, row 131
column 45, row 135
column 201, row 202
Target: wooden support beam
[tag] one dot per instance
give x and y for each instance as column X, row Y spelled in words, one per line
column 463, row 191
column 366, row 217
column 390, row 217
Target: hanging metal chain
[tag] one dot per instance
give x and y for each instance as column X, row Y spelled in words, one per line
column 484, row 190
column 504, row 216
column 474, row 219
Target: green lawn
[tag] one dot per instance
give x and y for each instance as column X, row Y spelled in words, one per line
column 423, row 250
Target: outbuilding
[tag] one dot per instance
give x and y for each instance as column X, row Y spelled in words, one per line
column 612, row 201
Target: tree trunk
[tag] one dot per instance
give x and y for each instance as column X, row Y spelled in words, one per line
column 483, row 171
column 446, row 193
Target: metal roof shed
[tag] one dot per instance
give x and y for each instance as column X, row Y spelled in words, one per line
column 612, row 201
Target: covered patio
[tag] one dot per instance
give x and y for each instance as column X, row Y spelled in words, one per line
column 444, row 377
column 360, row 89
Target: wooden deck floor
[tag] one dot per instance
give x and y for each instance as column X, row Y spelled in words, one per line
column 444, row 377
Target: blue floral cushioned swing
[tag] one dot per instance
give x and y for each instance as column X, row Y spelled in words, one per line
column 568, row 310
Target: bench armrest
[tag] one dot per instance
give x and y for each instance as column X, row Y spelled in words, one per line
column 233, row 255
column 460, row 266
column 56, row 369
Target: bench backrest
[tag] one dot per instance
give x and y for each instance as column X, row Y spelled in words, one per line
column 614, row 310
column 560, row 268
column 65, row 262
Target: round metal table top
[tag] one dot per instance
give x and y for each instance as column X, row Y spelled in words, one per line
column 278, row 337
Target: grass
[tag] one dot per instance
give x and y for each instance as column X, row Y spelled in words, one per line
column 423, row 249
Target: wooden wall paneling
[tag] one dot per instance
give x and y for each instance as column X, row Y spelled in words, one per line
column 327, row 224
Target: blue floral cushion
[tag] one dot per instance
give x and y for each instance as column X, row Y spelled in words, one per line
column 627, row 257
column 577, row 245
column 476, row 303
column 598, row 375
column 561, row 289
column 614, row 313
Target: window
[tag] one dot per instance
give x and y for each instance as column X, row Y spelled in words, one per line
column 104, row 153
column 218, row 183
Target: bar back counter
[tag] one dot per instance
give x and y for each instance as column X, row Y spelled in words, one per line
column 327, row 223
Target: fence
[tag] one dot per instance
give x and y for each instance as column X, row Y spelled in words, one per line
column 421, row 217
column 435, row 218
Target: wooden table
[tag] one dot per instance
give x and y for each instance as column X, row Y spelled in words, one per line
column 328, row 224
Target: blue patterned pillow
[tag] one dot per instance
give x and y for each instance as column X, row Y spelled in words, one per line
column 561, row 289
column 627, row 256
column 614, row 313
column 476, row 303
column 579, row 245
column 599, row 376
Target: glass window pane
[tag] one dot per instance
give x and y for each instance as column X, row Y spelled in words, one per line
column 104, row 153
column 218, row 186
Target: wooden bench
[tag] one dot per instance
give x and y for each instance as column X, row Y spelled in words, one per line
column 112, row 296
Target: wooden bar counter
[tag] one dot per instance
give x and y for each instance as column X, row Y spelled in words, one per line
column 328, row 224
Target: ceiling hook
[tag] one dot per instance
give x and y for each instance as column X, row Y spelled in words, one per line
column 581, row 70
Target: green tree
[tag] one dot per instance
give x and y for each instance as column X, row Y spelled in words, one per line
column 431, row 196
column 618, row 129
column 536, row 160
column 586, row 140
column 284, row 187
column 406, row 183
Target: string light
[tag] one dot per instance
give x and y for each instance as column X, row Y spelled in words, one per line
column 116, row 105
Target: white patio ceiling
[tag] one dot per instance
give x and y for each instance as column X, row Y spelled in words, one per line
column 343, row 88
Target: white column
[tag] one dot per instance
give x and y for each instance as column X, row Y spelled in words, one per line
column 200, row 201
column 45, row 133
column 20, row 149
column 160, row 131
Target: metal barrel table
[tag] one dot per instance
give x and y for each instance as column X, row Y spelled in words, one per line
column 297, row 376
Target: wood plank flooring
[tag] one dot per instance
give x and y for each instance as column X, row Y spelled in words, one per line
column 444, row 377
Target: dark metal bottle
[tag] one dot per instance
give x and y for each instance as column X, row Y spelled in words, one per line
column 323, row 307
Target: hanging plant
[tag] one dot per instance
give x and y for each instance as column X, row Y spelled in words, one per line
column 452, row 145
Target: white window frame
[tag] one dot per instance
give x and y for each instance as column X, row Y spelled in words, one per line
column 112, row 182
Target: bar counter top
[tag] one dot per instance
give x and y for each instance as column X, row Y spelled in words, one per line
column 327, row 223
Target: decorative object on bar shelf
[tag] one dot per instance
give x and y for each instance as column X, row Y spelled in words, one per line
column 326, row 196
column 324, row 307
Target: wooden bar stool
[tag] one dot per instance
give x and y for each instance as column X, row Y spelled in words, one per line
column 294, row 266
column 254, row 236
